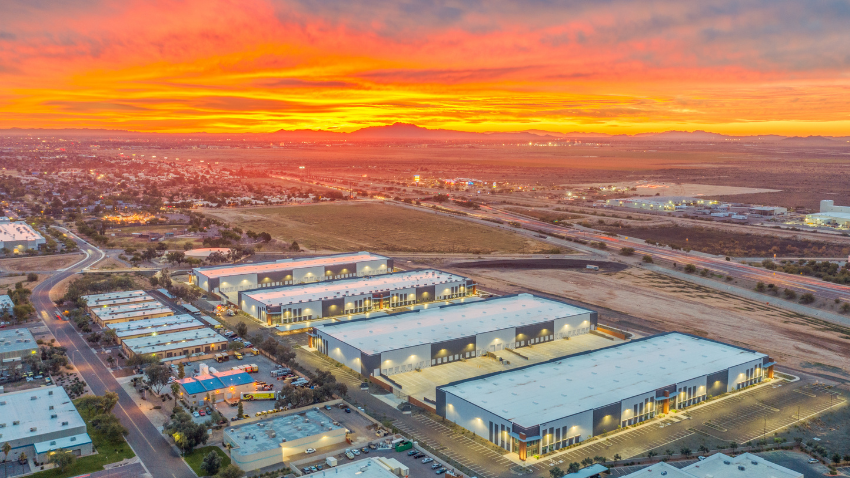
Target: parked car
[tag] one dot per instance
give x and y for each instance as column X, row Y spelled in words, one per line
column 428, row 460
column 347, row 410
column 440, row 471
column 435, row 466
column 418, row 456
column 196, row 414
column 814, row 460
column 412, row 452
column 356, row 452
column 310, row 450
column 327, row 407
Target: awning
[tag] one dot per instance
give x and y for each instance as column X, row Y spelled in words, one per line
column 527, row 439
column 768, row 364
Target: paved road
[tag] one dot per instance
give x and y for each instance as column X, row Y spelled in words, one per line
column 801, row 284
column 152, row 448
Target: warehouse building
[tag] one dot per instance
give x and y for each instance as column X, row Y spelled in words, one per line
column 158, row 326
column 19, row 237
column 40, row 421
column 113, row 299
column 719, row 466
column 106, row 314
column 154, row 310
column 661, row 203
column 16, row 344
column 830, row 215
column 272, row 441
column 177, row 344
column 424, row 338
column 544, row 407
column 322, row 300
column 214, row 386
column 227, row 280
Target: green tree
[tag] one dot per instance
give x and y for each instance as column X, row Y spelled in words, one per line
column 181, row 371
column 647, row 258
column 574, row 467
column 760, row 287
column 32, row 277
column 685, row 451
column 627, row 251
column 807, row 298
column 690, row 268
column 733, row 446
column 556, row 472
column 651, row 453
column 109, row 427
column 62, row 459
column 242, row 329
column 175, row 390
column 240, row 411
column 186, row 433
column 157, row 376
column 7, row 448
column 231, row 471
column 211, row 463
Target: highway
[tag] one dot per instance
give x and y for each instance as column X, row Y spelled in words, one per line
column 160, row 459
column 720, row 265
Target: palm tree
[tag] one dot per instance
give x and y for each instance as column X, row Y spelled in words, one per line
column 651, row 453
column 685, row 451
column 6, row 449
column 668, row 452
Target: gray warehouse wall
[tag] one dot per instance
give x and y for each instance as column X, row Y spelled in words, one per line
column 331, row 307
column 451, row 347
column 717, row 383
column 606, row 418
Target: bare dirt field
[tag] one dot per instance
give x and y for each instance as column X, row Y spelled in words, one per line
column 39, row 263
column 377, row 227
column 665, row 304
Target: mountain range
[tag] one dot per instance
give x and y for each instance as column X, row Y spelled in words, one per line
column 407, row 132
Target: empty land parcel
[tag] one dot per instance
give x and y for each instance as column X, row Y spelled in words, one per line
column 377, row 227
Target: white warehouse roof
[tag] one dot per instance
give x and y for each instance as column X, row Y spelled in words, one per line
column 563, row 387
column 350, row 287
column 21, row 413
column 298, row 263
column 18, row 231
column 431, row 325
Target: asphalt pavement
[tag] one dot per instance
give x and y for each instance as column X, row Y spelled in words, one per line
column 157, row 454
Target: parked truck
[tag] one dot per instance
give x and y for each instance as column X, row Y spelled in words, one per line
column 330, row 461
column 272, row 395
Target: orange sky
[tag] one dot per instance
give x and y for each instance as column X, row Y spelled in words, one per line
column 737, row 67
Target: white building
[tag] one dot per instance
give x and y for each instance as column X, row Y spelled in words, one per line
column 156, row 326
column 16, row 344
column 830, row 215
column 555, row 404
column 320, row 300
column 112, row 299
column 423, row 338
column 719, row 466
column 42, row 420
column 6, row 304
column 18, row 237
column 661, row 203
column 177, row 344
column 239, row 277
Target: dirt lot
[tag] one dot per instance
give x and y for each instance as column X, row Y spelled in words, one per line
column 665, row 304
column 39, row 263
column 376, row 227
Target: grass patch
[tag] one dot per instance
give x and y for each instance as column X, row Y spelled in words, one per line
column 377, row 227
column 196, row 457
column 106, row 453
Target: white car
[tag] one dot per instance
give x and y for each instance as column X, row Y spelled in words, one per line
column 310, row 450
column 813, row 460
column 196, row 414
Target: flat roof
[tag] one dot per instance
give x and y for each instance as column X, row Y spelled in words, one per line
column 338, row 288
column 137, row 313
column 62, row 443
column 188, row 344
column 836, row 215
column 754, row 467
column 32, row 413
column 569, row 385
column 437, row 324
column 256, row 437
column 18, row 231
column 368, row 468
column 95, row 299
column 174, row 338
column 16, row 340
column 105, row 311
column 659, row 470
column 119, row 327
column 6, row 302
column 160, row 327
column 283, row 264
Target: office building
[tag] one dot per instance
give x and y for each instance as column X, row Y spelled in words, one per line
column 550, row 405
column 424, row 338
column 215, row 386
column 226, row 280
column 157, row 326
column 745, row 465
column 322, row 300
column 113, row 299
column 149, row 311
column 39, row 421
column 176, row 345
column 272, row 441
column 16, row 344
column 18, row 237
column 661, row 203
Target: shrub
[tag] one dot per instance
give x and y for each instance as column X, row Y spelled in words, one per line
column 807, row 298
column 647, row 258
column 627, row 251
column 32, row 277
column 790, row 294
column 690, row 268
column 760, row 287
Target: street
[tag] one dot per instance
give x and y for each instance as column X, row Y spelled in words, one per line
column 152, row 448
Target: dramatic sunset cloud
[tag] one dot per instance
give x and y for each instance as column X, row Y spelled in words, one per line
column 730, row 66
